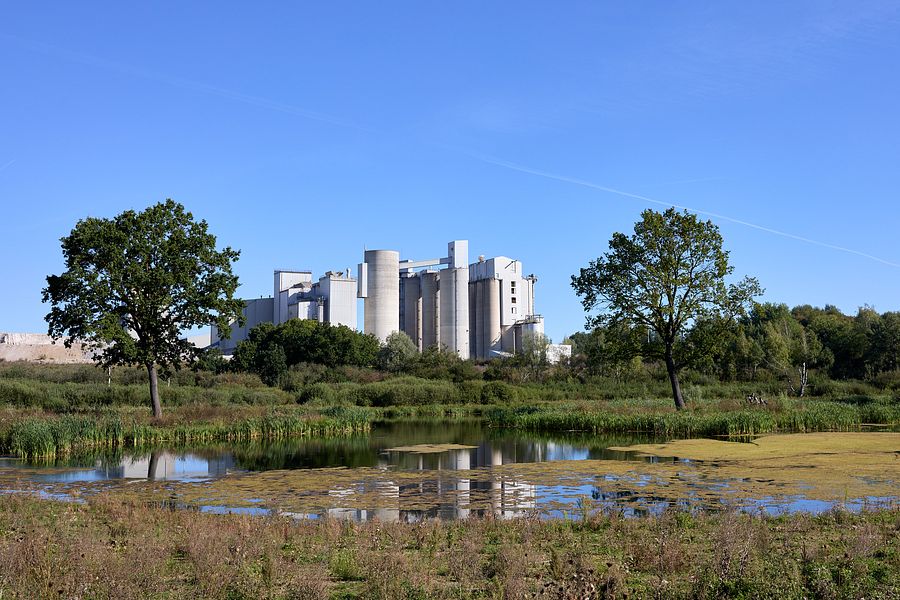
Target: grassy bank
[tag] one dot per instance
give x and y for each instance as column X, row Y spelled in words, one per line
column 52, row 409
column 702, row 420
column 49, row 435
column 111, row 549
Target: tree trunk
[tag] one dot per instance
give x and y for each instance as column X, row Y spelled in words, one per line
column 154, row 391
column 151, row 469
column 673, row 379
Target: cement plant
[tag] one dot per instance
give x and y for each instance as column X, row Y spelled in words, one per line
column 480, row 310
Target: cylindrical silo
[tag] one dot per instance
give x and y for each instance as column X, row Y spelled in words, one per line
column 473, row 311
column 492, row 316
column 455, row 310
column 431, row 309
column 382, row 302
column 479, row 320
column 410, row 322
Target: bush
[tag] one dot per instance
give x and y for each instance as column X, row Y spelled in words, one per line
column 498, row 392
column 401, row 391
column 398, row 354
column 319, row 393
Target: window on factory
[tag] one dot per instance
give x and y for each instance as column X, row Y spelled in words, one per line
column 513, row 310
column 512, row 286
column 513, row 299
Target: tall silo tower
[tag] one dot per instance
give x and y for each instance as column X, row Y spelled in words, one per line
column 379, row 285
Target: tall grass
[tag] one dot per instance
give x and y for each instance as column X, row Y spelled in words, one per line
column 59, row 396
column 91, row 549
column 50, row 437
column 815, row 416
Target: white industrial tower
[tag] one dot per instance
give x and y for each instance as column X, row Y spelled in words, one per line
column 431, row 306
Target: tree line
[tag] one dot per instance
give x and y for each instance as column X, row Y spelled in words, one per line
column 771, row 342
column 133, row 283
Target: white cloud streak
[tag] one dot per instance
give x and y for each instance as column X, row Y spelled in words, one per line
column 588, row 184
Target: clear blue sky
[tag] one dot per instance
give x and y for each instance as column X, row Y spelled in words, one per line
column 303, row 131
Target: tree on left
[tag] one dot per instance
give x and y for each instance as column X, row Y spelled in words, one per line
column 133, row 283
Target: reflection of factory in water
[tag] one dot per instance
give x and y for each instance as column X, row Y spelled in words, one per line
column 445, row 496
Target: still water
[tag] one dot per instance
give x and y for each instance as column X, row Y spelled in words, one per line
column 408, row 471
column 485, row 447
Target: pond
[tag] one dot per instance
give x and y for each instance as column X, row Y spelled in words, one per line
column 413, row 470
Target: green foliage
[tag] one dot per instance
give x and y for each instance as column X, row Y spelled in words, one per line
column 270, row 364
column 133, row 283
column 212, row 361
column 271, row 350
column 663, row 289
column 498, row 392
column 398, row 354
column 49, row 437
column 823, row 416
column 439, row 363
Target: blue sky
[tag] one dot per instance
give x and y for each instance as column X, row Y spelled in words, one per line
column 303, row 132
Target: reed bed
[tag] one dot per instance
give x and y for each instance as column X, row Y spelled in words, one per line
column 48, row 437
column 819, row 416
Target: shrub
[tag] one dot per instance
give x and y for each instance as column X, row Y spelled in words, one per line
column 398, row 354
column 497, row 392
column 320, row 393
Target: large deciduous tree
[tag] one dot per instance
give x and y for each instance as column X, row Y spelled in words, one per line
column 133, row 283
column 666, row 285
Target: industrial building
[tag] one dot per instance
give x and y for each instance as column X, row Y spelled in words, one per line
column 480, row 310
column 331, row 299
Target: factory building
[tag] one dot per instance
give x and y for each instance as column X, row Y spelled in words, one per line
column 479, row 310
column 431, row 306
column 501, row 300
column 331, row 299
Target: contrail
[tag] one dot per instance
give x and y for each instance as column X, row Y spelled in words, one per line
column 522, row 169
column 325, row 118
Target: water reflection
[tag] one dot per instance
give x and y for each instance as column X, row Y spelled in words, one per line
column 155, row 465
column 489, row 448
column 413, row 471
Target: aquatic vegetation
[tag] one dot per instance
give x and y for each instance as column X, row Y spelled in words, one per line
column 856, row 470
column 43, row 437
column 815, row 416
column 790, row 447
column 429, row 448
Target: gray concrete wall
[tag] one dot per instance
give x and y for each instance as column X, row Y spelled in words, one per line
column 381, row 312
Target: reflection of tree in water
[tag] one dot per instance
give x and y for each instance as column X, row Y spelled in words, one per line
column 493, row 447
column 492, row 444
column 305, row 453
column 637, row 501
column 151, row 468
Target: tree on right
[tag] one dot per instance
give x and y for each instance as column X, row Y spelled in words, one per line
column 663, row 291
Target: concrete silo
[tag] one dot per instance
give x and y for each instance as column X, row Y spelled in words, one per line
column 491, row 308
column 411, row 308
column 382, row 292
column 431, row 308
column 455, row 310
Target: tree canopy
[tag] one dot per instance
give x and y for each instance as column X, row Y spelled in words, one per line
column 133, row 283
column 270, row 350
column 662, row 290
